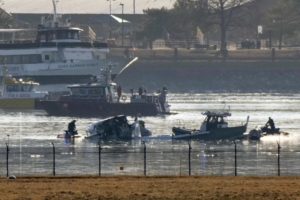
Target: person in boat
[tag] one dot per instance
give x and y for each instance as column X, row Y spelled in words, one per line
column 72, row 128
column 119, row 92
column 163, row 98
column 131, row 91
column 141, row 91
column 270, row 124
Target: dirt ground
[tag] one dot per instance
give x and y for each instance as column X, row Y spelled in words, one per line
column 174, row 188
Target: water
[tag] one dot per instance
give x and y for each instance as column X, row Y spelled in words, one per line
column 32, row 132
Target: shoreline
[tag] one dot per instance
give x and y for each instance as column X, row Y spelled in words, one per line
column 122, row 187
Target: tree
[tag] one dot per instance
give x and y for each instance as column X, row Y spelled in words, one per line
column 156, row 25
column 185, row 26
column 224, row 10
column 284, row 19
column 6, row 19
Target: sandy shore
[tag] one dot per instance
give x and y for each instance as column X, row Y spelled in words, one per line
column 90, row 188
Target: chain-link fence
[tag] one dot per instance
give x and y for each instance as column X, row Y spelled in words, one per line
column 171, row 160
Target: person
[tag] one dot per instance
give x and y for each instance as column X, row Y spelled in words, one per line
column 72, row 128
column 131, row 91
column 270, row 123
column 141, row 91
column 119, row 92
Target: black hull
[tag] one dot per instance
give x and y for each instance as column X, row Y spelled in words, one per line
column 216, row 134
column 96, row 109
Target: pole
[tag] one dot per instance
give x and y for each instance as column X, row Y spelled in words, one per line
column 134, row 7
column 53, row 152
column 278, row 159
column 110, row 22
column 7, row 157
column 235, row 159
column 270, row 39
column 190, row 149
column 99, row 157
column 121, row 4
column 145, row 159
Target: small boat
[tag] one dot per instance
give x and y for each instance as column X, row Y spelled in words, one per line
column 117, row 128
column 100, row 97
column 19, row 94
column 257, row 134
column 214, row 127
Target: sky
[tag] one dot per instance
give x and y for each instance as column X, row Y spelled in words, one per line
column 82, row 6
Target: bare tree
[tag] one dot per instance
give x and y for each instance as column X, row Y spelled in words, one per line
column 224, row 10
column 6, row 19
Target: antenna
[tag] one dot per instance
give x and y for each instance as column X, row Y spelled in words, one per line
column 54, row 11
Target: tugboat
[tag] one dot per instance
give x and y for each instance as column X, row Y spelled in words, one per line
column 103, row 97
column 117, row 128
column 214, row 127
column 19, row 94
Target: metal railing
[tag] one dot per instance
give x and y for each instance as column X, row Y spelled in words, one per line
column 234, row 160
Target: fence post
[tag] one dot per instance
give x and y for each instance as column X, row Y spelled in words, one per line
column 190, row 149
column 7, row 158
column 278, row 158
column 99, row 157
column 235, row 159
column 53, row 153
column 145, row 159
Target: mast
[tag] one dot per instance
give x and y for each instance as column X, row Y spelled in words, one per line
column 54, row 13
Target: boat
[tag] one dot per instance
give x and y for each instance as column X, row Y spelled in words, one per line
column 258, row 133
column 100, row 97
column 57, row 55
column 214, row 127
column 117, row 128
column 19, row 94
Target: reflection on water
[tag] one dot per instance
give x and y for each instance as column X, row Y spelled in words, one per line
column 28, row 130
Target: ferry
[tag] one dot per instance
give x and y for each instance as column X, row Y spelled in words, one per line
column 57, row 55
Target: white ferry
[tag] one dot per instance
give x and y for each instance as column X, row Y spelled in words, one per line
column 56, row 56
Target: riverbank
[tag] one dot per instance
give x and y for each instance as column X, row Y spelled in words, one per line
column 175, row 188
column 184, row 76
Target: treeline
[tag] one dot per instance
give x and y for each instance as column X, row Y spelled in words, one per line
column 225, row 20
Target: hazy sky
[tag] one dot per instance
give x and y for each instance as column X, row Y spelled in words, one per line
column 81, row 6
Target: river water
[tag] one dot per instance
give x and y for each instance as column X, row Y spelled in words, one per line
column 30, row 134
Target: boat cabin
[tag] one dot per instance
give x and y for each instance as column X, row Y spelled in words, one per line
column 94, row 91
column 18, row 88
column 59, row 34
column 214, row 120
column 14, row 85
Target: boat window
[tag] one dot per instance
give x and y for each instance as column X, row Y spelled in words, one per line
column 22, row 59
column 16, row 59
column 76, row 36
column 69, row 35
column 12, row 88
column 42, row 37
column 61, row 35
column 79, row 91
column 47, row 57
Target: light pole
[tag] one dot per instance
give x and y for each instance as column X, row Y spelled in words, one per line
column 134, row 7
column 110, row 29
column 122, row 5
